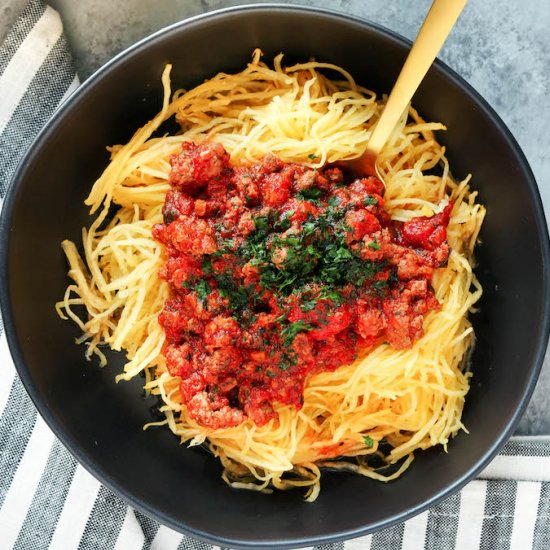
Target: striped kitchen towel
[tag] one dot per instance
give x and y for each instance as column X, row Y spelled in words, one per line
column 47, row 500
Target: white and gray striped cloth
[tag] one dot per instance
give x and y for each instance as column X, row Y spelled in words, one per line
column 47, row 500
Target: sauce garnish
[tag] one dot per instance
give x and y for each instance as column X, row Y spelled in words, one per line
column 279, row 271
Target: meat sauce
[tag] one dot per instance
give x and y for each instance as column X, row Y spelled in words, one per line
column 278, row 271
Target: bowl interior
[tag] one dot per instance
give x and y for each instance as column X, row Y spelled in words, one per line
column 101, row 421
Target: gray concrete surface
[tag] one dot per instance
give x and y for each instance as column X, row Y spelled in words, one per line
column 501, row 48
column 9, row 10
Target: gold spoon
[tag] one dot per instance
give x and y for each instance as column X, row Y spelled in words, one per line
column 431, row 37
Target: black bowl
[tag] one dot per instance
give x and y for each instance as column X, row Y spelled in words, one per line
column 100, row 422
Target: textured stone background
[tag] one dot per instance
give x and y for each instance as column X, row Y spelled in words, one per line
column 500, row 48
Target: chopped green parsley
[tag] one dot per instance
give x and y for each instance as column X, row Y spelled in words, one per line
column 369, row 441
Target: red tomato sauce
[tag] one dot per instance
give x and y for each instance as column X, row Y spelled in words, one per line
column 279, row 271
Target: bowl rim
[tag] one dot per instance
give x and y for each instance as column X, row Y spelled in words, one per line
column 86, row 460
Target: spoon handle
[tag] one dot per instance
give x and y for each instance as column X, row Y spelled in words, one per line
column 433, row 33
